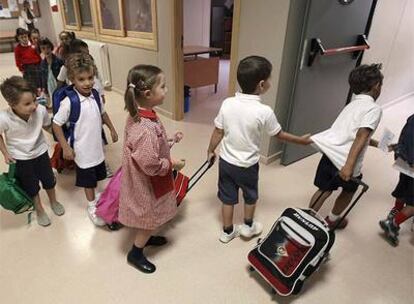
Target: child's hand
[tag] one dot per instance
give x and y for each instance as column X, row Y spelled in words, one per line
column 345, row 173
column 392, row 147
column 306, row 139
column 8, row 159
column 178, row 136
column 68, row 153
column 178, row 164
column 114, row 136
column 211, row 157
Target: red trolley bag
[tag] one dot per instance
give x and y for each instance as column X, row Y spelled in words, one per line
column 184, row 184
column 295, row 247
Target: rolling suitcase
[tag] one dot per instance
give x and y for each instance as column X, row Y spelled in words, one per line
column 298, row 242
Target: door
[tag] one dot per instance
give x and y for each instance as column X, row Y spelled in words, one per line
column 332, row 45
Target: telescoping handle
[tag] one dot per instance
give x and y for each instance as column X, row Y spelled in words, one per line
column 200, row 172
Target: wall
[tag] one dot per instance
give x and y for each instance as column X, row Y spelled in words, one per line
column 264, row 36
column 392, row 43
column 196, row 22
column 43, row 23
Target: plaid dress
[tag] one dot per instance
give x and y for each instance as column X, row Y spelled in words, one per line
column 147, row 198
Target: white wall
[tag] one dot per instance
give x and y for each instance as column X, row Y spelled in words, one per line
column 196, row 22
column 392, row 43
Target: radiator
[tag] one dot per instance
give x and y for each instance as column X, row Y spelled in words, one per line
column 99, row 52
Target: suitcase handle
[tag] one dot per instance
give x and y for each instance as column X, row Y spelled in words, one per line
column 199, row 173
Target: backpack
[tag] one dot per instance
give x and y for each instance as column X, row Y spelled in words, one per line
column 12, row 197
column 75, row 106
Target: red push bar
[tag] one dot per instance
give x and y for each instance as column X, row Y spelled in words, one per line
column 318, row 48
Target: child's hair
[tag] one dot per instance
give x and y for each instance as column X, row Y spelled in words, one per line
column 251, row 71
column 20, row 32
column 78, row 63
column 44, row 41
column 13, row 88
column 74, row 46
column 34, row 31
column 140, row 78
column 71, row 35
column 363, row 78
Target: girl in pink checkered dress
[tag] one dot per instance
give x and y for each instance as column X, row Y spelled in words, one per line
column 147, row 199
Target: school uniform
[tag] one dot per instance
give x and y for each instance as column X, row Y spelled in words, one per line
column 26, row 143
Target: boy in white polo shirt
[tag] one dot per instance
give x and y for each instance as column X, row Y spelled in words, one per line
column 239, row 127
column 25, row 145
column 87, row 150
column 344, row 144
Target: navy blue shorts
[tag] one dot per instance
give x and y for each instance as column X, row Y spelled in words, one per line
column 232, row 177
column 30, row 172
column 88, row 178
column 405, row 190
column 327, row 177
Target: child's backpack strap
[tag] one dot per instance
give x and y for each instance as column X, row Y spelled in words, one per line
column 97, row 98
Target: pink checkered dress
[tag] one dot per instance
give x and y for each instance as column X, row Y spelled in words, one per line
column 147, row 198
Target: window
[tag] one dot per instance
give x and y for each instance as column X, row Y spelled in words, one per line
column 127, row 22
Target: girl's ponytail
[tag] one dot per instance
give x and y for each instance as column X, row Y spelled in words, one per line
column 130, row 103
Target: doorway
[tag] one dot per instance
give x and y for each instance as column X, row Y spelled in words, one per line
column 205, row 36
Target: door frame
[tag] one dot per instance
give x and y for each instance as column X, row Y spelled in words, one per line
column 178, row 56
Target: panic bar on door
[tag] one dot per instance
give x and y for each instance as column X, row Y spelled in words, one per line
column 318, row 48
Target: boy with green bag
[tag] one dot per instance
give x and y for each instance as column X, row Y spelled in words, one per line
column 24, row 146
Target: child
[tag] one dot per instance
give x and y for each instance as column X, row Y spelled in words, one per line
column 239, row 125
column 65, row 38
column 404, row 192
column 25, row 145
column 49, row 67
column 344, row 144
column 87, row 149
column 34, row 36
column 147, row 198
column 27, row 59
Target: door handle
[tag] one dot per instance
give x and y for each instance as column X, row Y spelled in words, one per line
column 317, row 48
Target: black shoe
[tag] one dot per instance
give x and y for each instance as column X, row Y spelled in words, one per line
column 391, row 231
column 156, row 240
column 141, row 263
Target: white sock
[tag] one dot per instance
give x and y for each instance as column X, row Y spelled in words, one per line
column 92, row 203
column 333, row 217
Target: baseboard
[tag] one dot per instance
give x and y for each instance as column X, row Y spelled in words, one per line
column 116, row 90
column 269, row 159
column 397, row 100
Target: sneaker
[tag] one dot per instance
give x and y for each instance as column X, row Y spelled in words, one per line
column 251, row 231
column 109, row 172
column 42, row 219
column 93, row 217
column 332, row 224
column 391, row 231
column 57, row 208
column 227, row 237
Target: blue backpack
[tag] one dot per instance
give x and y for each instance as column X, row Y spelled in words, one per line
column 75, row 106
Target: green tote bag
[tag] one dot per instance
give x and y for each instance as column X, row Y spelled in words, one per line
column 12, row 197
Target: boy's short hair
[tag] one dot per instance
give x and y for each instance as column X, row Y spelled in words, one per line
column 251, row 71
column 19, row 32
column 363, row 78
column 78, row 63
column 13, row 88
column 44, row 41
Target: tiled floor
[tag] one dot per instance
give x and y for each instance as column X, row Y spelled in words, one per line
column 74, row 262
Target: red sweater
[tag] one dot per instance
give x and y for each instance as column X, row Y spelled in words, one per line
column 25, row 55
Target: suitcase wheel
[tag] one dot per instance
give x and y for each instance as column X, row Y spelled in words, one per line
column 114, row 226
column 251, row 269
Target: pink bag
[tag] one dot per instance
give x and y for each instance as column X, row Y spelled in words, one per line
column 108, row 203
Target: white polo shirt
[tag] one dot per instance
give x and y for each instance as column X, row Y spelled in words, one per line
column 88, row 130
column 25, row 139
column 336, row 142
column 243, row 119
